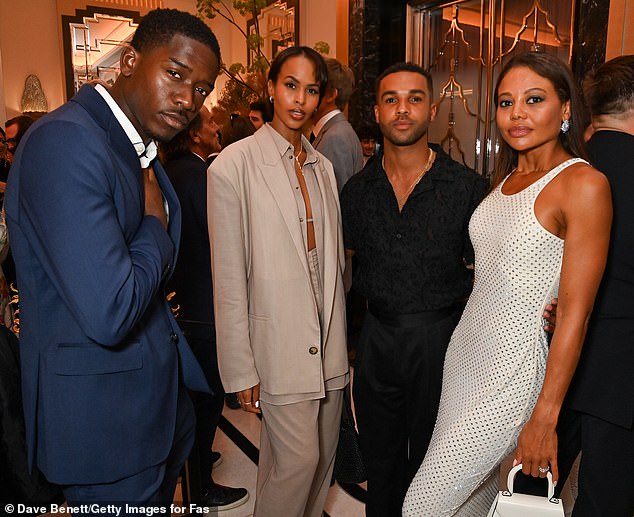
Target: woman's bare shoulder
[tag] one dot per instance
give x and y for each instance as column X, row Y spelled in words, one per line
column 582, row 175
column 585, row 187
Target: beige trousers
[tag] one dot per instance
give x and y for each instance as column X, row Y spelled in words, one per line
column 297, row 452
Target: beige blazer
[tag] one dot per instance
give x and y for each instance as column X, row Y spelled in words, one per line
column 267, row 323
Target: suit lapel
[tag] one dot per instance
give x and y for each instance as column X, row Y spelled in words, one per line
column 94, row 104
column 174, row 226
column 280, row 188
column 124, row 151
column 331, row 240
column 325, row 129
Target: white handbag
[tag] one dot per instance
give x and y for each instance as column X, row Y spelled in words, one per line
column 509, row 504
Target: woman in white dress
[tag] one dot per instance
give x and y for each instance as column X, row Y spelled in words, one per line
column 542, row 232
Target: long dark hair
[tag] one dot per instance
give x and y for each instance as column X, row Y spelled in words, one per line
column 321, row 71
column 559, row 74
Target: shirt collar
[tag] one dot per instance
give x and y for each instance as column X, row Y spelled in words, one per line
column 443, row 168
column 201, row 158
column 322, row 121
column 284, row 146
column 145, row 153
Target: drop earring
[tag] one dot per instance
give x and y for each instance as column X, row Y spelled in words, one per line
column 565, row 126
column 271, row 99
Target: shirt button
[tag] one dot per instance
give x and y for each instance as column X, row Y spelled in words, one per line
column 313, row 350
column 301, row 219
column 399, row 236
column 174, row 338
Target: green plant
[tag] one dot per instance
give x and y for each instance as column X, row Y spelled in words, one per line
column 247, row 83
column 250, row 78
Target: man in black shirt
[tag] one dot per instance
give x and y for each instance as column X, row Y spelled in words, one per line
column 405, row 218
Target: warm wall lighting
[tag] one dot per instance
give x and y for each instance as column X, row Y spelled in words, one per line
column 33, row 98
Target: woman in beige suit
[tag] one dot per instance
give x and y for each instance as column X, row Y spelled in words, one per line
column 277, row 261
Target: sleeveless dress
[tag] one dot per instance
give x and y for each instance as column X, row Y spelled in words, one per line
column 496, row 360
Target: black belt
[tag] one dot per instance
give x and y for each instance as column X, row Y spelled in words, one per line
column 414, row 319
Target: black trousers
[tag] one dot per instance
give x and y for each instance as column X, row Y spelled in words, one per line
column 606, row 471
column 207, row 407
column 397, row 385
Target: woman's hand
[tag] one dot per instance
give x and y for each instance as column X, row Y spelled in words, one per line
column 550, row 315
column 537, row 449
column 250, row 399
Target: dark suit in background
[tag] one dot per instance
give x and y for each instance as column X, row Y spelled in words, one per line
column 598, row 414
column 192, row 284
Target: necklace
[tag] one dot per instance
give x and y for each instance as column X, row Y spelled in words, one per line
column 301, row 150
column 403, row 197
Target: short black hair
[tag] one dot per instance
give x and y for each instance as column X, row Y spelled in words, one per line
column 405, row 67
column 321, row 71
column 159, row 26
column 263, row 107
column 24, row 122
column 367, row 131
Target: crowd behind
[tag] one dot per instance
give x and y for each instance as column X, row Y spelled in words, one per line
column 483, row 317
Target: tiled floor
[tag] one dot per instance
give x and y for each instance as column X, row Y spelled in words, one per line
column 237, row 469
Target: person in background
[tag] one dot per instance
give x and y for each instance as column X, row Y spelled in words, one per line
column 185, row 159
column 15, row 128
column 260, row 113
column 95, row 227
column 367, row 138
column 334, row 136
column 598, row 414
column 239, row 127
column 542, row 232
column 5, row 161
column 277, row 264
column 405, row 219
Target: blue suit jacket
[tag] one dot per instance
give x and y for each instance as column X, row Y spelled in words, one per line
column 100, row 348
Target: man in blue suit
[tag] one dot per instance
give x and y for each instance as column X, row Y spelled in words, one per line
column 95, row 225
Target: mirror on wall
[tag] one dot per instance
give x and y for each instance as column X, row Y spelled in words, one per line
column 93, row 41
column 278, row 23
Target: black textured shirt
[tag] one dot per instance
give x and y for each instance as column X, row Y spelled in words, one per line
column 414, row 260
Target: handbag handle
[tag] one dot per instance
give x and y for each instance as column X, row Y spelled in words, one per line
column 511, row 478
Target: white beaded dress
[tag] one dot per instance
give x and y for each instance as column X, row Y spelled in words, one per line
column 496, row 360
